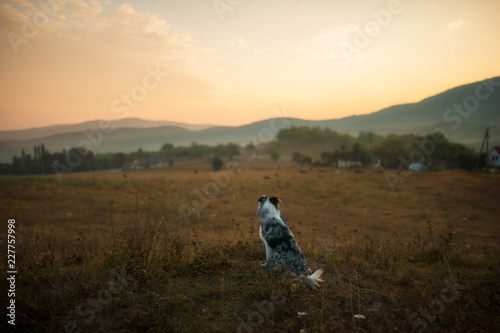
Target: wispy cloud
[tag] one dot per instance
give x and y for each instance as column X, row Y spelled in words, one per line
column 94, row 24
column 327, row 43
column 90, row 52
column 452, row 26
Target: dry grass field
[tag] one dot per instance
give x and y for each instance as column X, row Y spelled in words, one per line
column 172, row 250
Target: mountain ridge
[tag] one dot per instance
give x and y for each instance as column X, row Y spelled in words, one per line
column 133, row 122
column 435, row 112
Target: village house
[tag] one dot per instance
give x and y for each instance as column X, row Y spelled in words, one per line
column 494, row 157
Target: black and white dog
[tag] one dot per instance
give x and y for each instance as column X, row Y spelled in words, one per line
column 280, row 243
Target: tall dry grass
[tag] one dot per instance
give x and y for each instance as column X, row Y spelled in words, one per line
column 122, row 258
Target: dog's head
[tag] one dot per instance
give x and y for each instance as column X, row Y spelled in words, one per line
column 274, row 200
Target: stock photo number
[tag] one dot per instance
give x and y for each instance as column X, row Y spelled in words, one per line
column 11, row 271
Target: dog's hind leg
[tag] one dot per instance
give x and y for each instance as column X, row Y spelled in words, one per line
column 270, row 262
column 268, row 252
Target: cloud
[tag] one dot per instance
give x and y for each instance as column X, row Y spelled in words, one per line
column 260, row 52
column 94, row 25
column 86, row 53
column 452, row 26
column 327, row 44
column 230, row 56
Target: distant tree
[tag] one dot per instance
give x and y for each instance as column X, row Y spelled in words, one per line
column 328, row 158
column 217, row 163
column 359, row 154
column 18, row 166
column 167, row 148
column 118, row 160
column 306, row 160
column 228, row 150
column 301, row 159
column 438, row 146
column 232, row 150
column 45, row 158
column 275, row 155
column 250, row 147
column 306, row 135
column 366, row 137
column 140, row 153
column 104, row 161
column 5, row 169
column 390, row 149
column 182, row 151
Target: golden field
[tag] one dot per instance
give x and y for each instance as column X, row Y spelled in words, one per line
column 125, row 252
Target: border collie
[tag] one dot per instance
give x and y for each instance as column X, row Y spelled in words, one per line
column 280, row 243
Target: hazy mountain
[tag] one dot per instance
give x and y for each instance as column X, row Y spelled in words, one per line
column 41, row 132
column 447, row 111
column 419, row 118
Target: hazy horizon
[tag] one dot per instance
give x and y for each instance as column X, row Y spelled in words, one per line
column 280, row 110
column 230, row 65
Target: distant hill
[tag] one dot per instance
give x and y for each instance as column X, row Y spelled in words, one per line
column 436, row 112
column 41, row 132
column 419, row 118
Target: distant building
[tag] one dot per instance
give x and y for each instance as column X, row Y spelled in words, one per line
column 417, row 167
column 435, row 163
column 347, row 164
column 377, row 162
column 139, row 164
column 147, row 163
column 494, row 157
column 441, row 164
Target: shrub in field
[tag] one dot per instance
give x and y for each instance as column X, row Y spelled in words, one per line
column 217, row 163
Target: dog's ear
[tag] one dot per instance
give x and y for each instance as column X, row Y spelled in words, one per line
column 275, row 201
column 262, row 199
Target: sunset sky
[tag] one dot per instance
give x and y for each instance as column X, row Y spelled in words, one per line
column 231, row 62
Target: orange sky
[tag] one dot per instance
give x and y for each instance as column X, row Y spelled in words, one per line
column 216, row 63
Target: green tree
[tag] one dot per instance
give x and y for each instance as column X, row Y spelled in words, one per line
column 217, row 163
column 228, row 150
column 275, row 155
column 118, row 160
column 250, row 147
column 301, row 159
column 18, row 166
column 390, row 149
column 167, row 148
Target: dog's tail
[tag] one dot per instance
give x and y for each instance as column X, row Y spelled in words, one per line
column 314, row 279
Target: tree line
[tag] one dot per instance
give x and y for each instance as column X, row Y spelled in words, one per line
column 76, row 159
column 392, row 150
